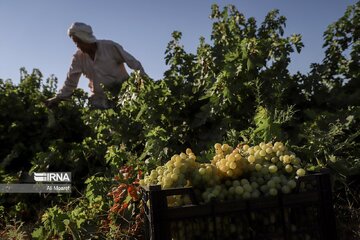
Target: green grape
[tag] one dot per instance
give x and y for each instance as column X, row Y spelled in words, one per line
column 262, row 153
column 295, row 161
column 230, row 173
column 264, row 188
column 244, row 181
column 288, row 168
column 217, row 146
column 276, row 179
column 251, row 151
column 188, row 151
column 286, row 159
column 237, row 157
column 260, row 181
column 202, row 171
column 273, row 168
column 257, row 155
column 239, row 190
column 285, row 189
column 269, row 150
column 292, row 184
column 271, row 184
column 176, row 171
column 273, row 191
column 254, row 185
column 233, row 165
column 245, row 147
column 300, row 172
column 247, row 187
column 183, row 155
column 258, row 167
column 236, row 183
column 231, row 157
column 251, row 159
column 174, row 177
column 225, row 147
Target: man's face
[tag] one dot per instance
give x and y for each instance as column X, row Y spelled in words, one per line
column 84, row 47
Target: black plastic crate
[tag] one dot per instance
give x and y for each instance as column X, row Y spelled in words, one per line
column 305, row 214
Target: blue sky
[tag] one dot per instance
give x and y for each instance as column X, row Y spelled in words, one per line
column 34, row 33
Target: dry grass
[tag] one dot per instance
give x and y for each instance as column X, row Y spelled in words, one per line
column 347, row 208
column 14, row 231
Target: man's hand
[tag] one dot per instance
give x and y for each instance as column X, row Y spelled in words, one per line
column 52, row 102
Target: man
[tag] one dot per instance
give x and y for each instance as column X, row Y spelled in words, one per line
column 101, row 61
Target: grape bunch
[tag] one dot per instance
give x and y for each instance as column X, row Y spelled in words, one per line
column 273, row 157
column 206, row 175
column 233, row 173
column 177, row 172
column 229, row 161
column 272, row 167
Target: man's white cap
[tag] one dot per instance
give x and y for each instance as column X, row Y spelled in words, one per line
column 82, row 31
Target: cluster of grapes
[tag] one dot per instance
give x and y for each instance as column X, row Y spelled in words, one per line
column 272, row 168
column 241, row 173
column 229, row 161
column 177, row 172
column 255, row 187
column 205, row 176
column 268, row 168
column 272, row 158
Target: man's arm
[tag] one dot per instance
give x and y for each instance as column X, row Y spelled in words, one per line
column 131, row 61
column 72, row 78
column 70, row 84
